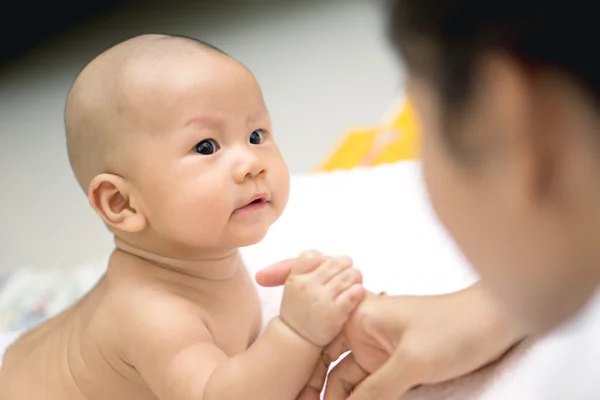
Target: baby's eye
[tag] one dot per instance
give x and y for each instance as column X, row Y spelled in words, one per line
column 207, row 147
column 257, row 137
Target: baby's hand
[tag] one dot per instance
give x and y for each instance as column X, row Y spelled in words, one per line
column 319, row 296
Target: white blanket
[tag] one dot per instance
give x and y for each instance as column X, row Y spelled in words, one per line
column 381, row 217
column 6, row 340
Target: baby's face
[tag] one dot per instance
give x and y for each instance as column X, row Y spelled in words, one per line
column 208, row 172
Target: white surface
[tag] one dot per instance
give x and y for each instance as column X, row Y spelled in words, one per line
column 6, row 340
column 324, row 67
column 381, row 218
column 564, row 365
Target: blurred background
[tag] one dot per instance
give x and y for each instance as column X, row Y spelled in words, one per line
column 324, row 66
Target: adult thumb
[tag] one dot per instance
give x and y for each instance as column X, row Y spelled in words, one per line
column 276, row 274
column 389, row 382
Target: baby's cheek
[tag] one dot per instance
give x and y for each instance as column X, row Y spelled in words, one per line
column 281, row 188
column 192, row 219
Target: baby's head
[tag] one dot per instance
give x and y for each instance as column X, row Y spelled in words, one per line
column 172, row 142
column 509, row 95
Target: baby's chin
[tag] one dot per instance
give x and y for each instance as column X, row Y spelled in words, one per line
column 249, row 237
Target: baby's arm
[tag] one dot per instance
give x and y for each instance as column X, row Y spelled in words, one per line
column 179, row 359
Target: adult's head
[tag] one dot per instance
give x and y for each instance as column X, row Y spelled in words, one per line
column 509, row 97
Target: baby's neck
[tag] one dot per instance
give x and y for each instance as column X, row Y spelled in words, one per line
column 216, row 266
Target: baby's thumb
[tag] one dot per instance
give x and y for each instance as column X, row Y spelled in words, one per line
column 307, row 262
column 387, row 383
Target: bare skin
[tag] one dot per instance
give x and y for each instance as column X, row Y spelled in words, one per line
column 172, row 142
column 109, row 345
column 401, row 342
column 87, row 352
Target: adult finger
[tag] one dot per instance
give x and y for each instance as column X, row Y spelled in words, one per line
column 387, row 383
column 343, row 378
column 309, row 393
column 276, row 274
column 330, row 353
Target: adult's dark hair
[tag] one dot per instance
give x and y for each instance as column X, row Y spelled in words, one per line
column 443, row 40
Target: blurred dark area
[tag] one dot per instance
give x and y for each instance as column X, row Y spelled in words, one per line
column 27, row 24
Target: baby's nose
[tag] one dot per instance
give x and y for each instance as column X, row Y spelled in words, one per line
column 249, row 166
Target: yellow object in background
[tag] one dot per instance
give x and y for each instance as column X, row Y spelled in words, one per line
column 394, row 141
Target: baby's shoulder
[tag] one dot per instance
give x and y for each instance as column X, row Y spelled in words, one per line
column 144, row 304
column 134, row 294
column 144, row 316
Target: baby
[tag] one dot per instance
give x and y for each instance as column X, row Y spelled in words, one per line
column 173, row 144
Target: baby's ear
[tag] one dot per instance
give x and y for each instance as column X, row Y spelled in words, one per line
column 109, row 196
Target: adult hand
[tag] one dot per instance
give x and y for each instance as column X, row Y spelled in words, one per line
column 276, row 274
column 406, row 341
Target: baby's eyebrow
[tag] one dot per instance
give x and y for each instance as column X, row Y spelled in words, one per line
column 213, row 122
column 257, row 115
column 207, row 121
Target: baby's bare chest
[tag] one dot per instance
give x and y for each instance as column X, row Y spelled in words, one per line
column 234, row 318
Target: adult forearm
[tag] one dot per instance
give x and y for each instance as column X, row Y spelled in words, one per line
column 496, row 321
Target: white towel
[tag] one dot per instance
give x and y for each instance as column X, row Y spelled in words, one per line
column 381, row 217
column 6, row 340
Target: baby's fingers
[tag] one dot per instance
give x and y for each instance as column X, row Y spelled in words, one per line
column 344, row 280
column 307, row 262
column 347, row 301
column 331, row 268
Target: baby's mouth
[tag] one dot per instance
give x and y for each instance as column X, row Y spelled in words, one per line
column 253, row 205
